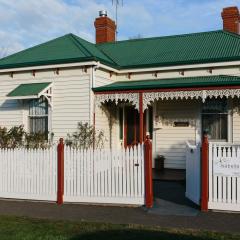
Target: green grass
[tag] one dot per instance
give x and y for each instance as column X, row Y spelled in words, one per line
column 26, row 229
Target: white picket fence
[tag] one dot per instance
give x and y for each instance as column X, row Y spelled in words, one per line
column 99, row 176
column 28, row 174
column 104, row 176
column 224, row 177
column 193, row 168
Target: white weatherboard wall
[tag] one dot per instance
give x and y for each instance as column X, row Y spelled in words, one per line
column 104, row 117
column 103, row 78
column 170, row 141
column 236, row 121
column 71, row 96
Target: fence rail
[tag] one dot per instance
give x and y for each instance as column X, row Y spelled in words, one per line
column 224, row 177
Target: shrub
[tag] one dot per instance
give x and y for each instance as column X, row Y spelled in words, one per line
column 36, row 140
column 17, row 137
column 85, row 137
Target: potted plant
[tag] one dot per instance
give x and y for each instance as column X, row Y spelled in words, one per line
column 159, row 162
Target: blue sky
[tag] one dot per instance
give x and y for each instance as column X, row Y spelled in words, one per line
column 25, row 23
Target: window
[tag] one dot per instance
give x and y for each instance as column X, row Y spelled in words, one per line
column 215, row 119
column 38, row 116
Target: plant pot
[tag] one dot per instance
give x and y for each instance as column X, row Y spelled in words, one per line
column 159, row 162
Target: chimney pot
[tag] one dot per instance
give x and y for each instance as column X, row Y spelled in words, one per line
column 231, row 19
column 103, row 13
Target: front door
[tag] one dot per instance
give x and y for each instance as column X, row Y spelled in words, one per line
column 132, row 124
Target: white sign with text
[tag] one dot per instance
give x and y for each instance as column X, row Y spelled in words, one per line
column 226, row 166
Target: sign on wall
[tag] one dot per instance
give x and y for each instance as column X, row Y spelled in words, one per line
column 226, row 166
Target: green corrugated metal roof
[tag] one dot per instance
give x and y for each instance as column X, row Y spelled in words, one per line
column 185, row 82
column 66, row 49
column 32, row 89
column 194, row 48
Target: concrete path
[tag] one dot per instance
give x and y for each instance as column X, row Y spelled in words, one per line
column 221, row 222
column 163, row 207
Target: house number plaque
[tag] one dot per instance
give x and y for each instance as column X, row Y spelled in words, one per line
column 227, row 166
column 181, row 124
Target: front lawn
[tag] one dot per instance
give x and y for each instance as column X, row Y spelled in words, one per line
column 26, row 229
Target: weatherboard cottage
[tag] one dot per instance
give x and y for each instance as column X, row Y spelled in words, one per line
column 172, row 88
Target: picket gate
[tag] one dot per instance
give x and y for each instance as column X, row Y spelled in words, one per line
column 193, row 169
column 104, row 175
column 224, row 177
column 28, row 174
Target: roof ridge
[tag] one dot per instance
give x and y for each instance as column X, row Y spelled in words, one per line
column 33, row 47
column 160, row 37
column 107, row 55
column 78, row 44
column 232, row 34
column 94, row 45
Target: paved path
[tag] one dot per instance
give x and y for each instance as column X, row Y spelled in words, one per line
column 221, row 222
column 162, row 207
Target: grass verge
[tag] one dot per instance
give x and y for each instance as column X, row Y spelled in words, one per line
column 19, row 228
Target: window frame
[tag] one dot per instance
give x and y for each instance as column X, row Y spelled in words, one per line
column 32, row 116
column 228, row 113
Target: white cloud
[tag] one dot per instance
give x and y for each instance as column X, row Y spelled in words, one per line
column 27, row 23
column 178, row 16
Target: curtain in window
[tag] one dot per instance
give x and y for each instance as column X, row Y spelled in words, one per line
column 215, row 118
column 38, row 116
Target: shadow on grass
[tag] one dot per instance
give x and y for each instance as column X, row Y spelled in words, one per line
column 148, row 235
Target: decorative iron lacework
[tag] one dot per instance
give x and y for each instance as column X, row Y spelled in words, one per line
column 115, row 97
column 149, row 97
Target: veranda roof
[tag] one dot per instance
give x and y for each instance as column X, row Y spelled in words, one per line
column 28, row 91
column 183, row 82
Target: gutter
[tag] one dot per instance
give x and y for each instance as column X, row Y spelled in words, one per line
column 51, row 66
column 125, row 71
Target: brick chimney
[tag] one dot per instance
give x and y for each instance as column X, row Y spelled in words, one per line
column 231, row 19
column 105, row 28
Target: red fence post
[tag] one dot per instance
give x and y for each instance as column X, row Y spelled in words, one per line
column 141, row 139
column 204, row 175
column 148, row 172
column 60, row 179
